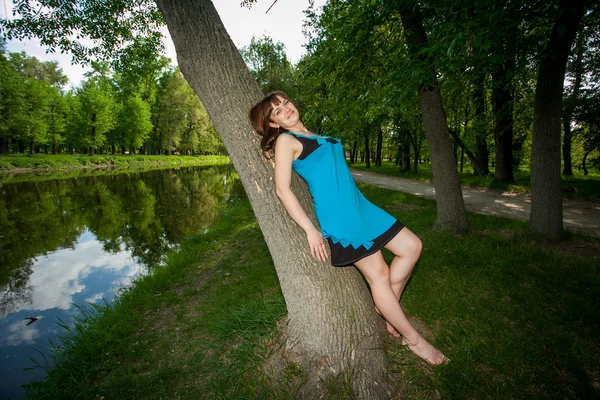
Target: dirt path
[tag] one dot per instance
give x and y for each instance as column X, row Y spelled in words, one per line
column 580, row 216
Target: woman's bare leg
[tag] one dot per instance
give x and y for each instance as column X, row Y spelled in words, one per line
column 406, row 247
column 378, row 274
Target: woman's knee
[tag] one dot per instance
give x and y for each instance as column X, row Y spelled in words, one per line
column 374, row 268
column 406, row 244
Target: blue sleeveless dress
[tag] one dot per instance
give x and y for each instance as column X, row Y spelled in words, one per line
column 353, row 226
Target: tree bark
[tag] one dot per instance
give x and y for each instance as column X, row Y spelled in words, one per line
column 482, row 151
column 451, row 212
column 502, row 105
column 578, row 69
column 405, row 156
column 367, row 150
column 93, row 139
column 546, row 198
column 378, row 158
column 332, row 323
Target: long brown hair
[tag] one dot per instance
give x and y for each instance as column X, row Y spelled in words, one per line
column 260, row 116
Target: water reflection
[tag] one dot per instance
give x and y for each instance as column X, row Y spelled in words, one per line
column 66, row 242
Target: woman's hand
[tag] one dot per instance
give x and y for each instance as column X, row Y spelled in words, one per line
column 317, row 245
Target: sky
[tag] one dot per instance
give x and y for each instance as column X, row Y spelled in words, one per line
column 283, row 23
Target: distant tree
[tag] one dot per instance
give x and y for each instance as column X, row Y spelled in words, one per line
column 96, row 113
column 269, row 65
column 135, row 122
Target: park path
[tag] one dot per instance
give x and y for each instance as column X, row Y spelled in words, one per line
column 582, row 216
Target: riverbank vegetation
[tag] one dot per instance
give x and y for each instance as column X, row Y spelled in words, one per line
column 46, row 162
column 150, row 109
column 512, row 314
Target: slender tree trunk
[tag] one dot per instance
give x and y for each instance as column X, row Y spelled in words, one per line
column 585, row 170
column 367, row 150
column 578, row 69
column 502, row 105
column 353, row 152
column 546, row 198
column 93, row 138
column 378, row 150
column 451, row 212
column 332, row 325
column 405, row 155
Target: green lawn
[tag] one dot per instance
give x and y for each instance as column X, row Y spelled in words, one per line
column 66, row 161
column 576, row 186
column 518, row 319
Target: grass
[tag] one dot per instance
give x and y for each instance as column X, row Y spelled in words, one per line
column 516, row 317
column 18, row 162
column 49, row 167
column 575, row 186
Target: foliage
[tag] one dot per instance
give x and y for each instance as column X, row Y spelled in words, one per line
column 269, row 65
column 110, row 112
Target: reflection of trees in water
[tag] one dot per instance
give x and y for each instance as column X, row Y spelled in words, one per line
column 145, row 213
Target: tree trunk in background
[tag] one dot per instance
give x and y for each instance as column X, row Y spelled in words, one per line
column 583, row 166
column 332, row 327
column 578, row 69
column 482, row 152
column 93, row 134
column 451, row 212
column 502, row 106
column 353, row 152
column 367, row 151
column 378, row 156
column 546, row 198
column 405, row 155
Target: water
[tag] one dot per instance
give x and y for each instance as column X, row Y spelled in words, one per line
column 65, row 243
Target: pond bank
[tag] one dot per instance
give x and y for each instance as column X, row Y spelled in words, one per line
column 24, row 168
column 509, row 313
column 22, row 163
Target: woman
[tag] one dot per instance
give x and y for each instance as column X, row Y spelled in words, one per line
column 354, row 228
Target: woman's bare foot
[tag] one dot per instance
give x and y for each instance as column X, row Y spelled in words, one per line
column 426, row 351
column 392, row 331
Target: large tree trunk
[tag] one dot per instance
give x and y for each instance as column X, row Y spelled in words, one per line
column 332, row 324
column 578, row 70
column 546, row 198
column 451, row 212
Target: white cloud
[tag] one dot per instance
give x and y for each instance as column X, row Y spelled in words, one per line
column 19, row 333
column 59, row 276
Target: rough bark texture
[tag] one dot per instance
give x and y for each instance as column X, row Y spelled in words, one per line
column 332, row 324
column 450, row 205
column 546, row 198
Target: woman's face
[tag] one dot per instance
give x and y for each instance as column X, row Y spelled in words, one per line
column 284, row 115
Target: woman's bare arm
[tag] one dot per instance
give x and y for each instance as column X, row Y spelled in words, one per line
column 284, row 156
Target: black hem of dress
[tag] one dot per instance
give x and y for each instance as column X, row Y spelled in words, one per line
column 378, row 244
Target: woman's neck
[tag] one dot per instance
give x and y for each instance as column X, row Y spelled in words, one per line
column 299, row 128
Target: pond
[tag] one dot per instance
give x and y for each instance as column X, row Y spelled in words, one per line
column 66, row 243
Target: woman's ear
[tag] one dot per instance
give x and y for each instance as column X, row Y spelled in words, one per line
column 273, row 125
